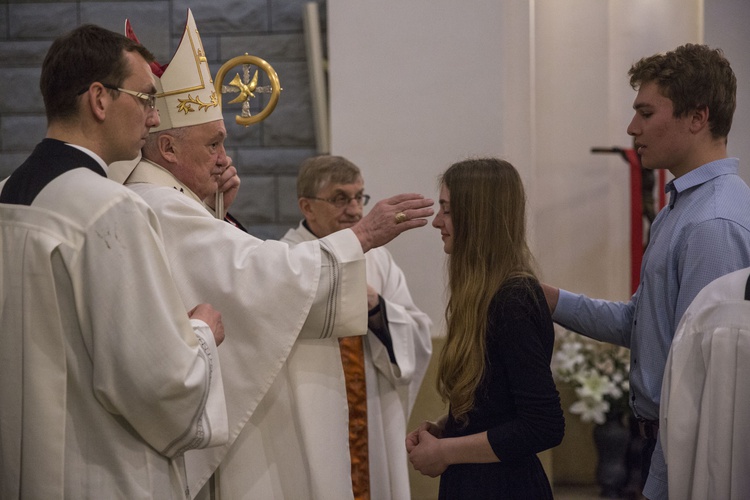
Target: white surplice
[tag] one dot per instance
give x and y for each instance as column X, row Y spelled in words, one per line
column 391, row 387
column 269, row 296
column 705, row 406
column 102, row 378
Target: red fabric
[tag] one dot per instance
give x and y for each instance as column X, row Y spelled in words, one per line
column 660, row 188
column 636, row 207
column 156, row 68
column 636, row 219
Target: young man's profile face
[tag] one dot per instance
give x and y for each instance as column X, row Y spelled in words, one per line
column 661, row 140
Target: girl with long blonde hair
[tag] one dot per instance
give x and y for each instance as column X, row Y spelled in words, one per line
column 494, row 368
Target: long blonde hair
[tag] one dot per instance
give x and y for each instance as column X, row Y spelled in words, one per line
column 487, row 209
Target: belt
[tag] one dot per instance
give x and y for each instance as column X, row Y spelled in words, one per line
column 649, row 428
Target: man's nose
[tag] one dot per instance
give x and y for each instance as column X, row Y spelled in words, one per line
column 354, row 207
column 223, row 160
column 631, row 130
column 152, row 118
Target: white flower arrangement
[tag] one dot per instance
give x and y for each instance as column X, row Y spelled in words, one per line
column 597, row 371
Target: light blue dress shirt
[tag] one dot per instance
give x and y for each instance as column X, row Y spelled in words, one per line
column 703, row 233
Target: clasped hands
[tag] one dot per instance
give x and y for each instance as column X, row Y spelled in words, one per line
column 424, row 449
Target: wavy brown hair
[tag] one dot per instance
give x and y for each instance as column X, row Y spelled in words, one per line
column 487, row 209
column 693, row 77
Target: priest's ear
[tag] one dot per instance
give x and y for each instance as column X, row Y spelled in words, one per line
column 305, row 206
column 163, row 148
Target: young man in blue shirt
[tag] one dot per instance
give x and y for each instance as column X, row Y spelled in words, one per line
column 683, row 114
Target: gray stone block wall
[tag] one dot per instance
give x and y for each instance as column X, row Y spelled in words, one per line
column 266, row 154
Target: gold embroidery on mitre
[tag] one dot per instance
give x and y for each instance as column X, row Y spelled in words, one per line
column 201, row 53
column 185, row 105
column 185, row 84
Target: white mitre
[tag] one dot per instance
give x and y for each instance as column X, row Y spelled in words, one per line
column 185, row 90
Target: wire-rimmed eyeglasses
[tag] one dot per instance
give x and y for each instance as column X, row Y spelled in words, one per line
column 341, row 200
column 148, row 99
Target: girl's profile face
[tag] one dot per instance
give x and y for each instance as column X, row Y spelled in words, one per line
column 443, row 221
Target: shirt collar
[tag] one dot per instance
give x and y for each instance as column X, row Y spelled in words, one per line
column 700, row 175
column 307, row 227
column 91, row 154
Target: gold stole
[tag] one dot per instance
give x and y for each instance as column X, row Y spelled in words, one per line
column 353, row 359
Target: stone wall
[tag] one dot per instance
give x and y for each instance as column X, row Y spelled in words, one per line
column 265, row 154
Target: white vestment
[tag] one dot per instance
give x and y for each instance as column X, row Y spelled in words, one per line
column 705, row 405
column 103, row 381
column 269, row 295
column 391, row 388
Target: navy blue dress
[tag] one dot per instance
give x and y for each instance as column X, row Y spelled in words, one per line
column 516, row 402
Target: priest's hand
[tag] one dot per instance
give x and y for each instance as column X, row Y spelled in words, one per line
column 210, row 316
column 373, row 298
column 228, row 182
column 391, row 217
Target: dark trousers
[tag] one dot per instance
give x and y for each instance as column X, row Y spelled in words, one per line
column 648, row 449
